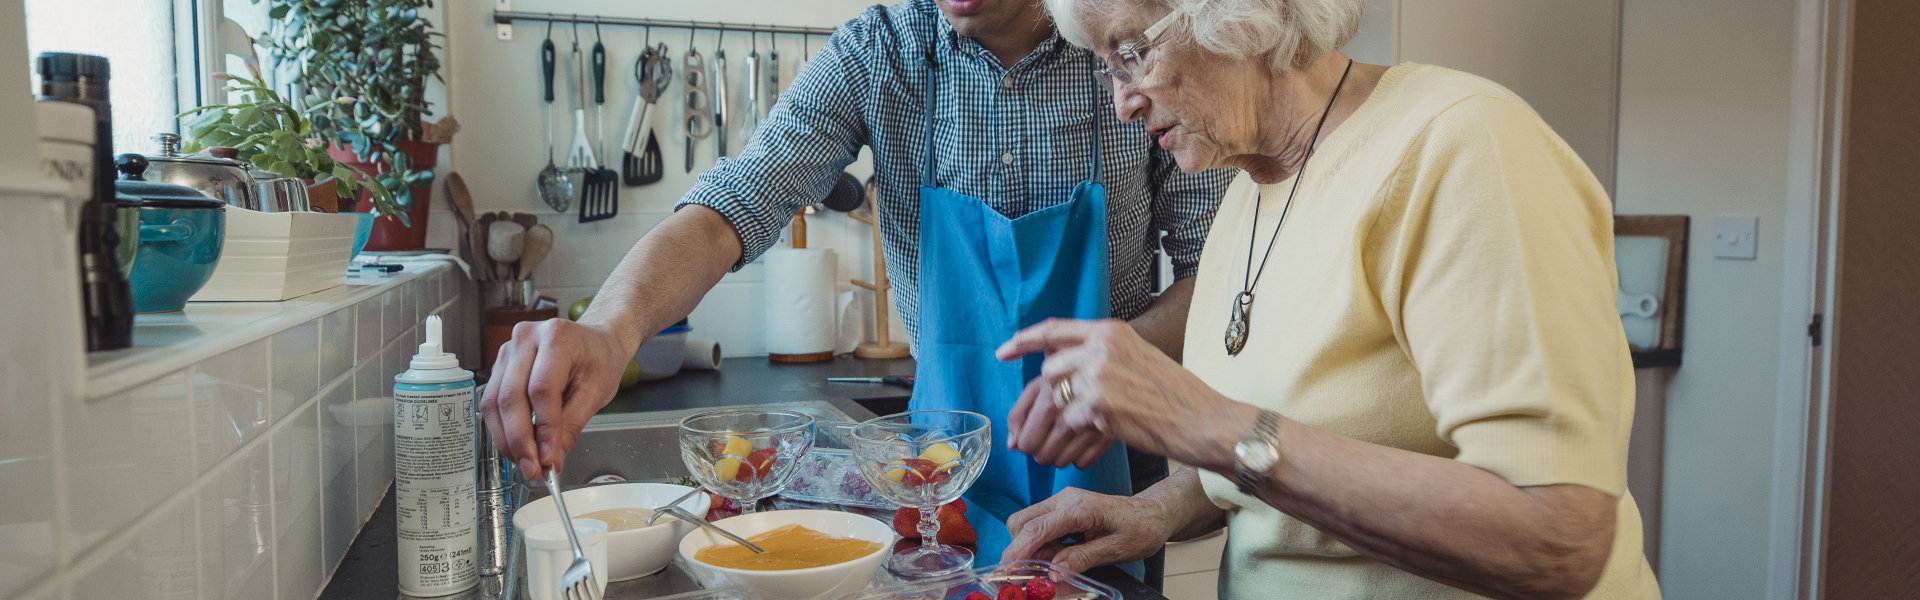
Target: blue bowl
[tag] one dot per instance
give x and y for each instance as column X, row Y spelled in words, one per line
column 361, row 231
column 179, row 247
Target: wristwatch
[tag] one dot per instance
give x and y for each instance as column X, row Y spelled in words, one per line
column 1257, row 453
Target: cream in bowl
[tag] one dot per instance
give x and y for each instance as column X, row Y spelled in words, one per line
column 811, row 553
column 633, row 549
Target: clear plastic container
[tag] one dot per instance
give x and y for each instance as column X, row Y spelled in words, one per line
column 987, row 580
column 829, row 475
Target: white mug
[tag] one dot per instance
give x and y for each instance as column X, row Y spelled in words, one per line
column 549, row 554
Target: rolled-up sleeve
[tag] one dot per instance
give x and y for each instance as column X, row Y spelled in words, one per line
column 813, row 132
column 1183, row 207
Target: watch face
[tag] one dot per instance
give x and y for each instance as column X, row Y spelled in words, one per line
column 1256, row 455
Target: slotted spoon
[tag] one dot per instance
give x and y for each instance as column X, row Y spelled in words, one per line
column 555, row 189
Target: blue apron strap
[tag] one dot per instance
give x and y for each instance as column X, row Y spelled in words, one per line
column 933, row 92
column 1095, row 177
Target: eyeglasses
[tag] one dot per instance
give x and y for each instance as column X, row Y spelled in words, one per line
column 1125, row 64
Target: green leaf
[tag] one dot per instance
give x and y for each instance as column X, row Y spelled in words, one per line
column 246, row 117
column 278, row 11
column 420, row 178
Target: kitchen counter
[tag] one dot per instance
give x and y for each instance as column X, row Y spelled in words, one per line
column 370, row 569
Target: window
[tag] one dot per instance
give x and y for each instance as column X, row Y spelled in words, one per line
column 140, row 39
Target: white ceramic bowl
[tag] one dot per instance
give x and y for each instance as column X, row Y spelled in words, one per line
column 831, row 581
column 635, row 552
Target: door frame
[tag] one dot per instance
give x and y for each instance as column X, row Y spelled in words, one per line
column 1815, row 163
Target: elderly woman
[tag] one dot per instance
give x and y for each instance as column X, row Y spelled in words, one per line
column 1405, row 376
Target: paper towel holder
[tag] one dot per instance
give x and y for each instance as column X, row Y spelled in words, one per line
column 800, row 243
column 883, row 346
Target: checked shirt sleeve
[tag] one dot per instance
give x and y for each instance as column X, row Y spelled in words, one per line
column 813, row 132
column 1183, row 206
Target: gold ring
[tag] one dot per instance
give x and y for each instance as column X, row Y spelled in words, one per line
column 1062, row 393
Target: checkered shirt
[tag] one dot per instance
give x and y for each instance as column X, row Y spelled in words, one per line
column 1018, row 138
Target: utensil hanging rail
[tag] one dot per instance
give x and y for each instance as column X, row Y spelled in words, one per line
column 508, row 17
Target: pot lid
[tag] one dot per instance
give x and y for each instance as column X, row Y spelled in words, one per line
column 170, row 153
column 153, row 193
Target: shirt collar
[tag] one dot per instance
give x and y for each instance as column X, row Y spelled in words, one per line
column 953, row 43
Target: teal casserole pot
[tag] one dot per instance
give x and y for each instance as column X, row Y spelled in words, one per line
column 181, row 234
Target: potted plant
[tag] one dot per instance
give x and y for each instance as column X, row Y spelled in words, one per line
column 380, row 52
column 275, row 136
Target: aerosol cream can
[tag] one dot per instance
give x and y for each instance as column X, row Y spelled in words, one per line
column 435, row 472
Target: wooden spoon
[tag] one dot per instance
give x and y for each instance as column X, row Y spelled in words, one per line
column 505, row 241
column 538, row 242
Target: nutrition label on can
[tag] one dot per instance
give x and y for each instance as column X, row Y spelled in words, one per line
column 435, row 489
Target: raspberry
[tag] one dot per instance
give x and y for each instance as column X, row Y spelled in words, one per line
column 1039, row 588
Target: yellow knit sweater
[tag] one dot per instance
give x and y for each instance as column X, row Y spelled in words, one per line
column 1444, row 284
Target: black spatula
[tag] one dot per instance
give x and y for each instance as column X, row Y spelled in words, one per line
column 600, row 197
column 646, row 168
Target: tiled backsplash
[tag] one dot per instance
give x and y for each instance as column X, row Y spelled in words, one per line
column 244, row 475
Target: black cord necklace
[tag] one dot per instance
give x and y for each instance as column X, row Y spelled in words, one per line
column 1238, row 327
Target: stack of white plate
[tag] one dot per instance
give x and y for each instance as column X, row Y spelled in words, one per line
column 276, row 256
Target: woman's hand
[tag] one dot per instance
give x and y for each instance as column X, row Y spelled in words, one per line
column 1122, row 387
column 1110, row 530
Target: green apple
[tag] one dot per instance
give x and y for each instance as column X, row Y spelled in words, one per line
column 632, row 376
column 579, row 307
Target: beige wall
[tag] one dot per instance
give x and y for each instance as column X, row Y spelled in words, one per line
column 1704, row 91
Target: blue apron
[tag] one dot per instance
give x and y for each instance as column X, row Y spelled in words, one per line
column 983, row 277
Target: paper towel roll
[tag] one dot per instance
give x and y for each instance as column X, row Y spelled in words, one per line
column 702, row 355
column 800, row 304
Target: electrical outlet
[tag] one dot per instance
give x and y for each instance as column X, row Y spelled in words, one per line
column 1734, row 238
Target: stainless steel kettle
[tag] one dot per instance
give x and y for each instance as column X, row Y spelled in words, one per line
column 221, row 179
column 279, row 194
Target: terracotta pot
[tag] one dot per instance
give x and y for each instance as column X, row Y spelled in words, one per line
column 389, row 234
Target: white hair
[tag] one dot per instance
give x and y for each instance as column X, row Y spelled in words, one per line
column 1289, row 33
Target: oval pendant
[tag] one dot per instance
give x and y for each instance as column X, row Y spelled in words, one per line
column 1237, row 326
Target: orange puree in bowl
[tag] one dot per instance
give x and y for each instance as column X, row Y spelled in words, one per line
column 789, row 547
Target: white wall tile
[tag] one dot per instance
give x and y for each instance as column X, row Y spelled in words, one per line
column 296, row 504
column 296, row 367
column 337, row 478
column 26, row 456
column 734, row 314
column 374, row 465
column 336, row 344
column 367, row 330
column 139, row 437
column 236, row 527
column 160, row 562
column 394, row 321
column 230, row 402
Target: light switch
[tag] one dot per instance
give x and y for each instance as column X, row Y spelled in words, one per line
column 1733, row 237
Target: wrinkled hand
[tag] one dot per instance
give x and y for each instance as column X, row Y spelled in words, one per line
column 1110, row 530
column 557, row 372
column 1123, row 387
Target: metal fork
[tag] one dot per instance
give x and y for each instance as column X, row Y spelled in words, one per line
column 578, row 582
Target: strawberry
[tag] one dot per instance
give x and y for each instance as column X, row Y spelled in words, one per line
column 1039, row 588
column 1010, row 591
column 759, row 465
column 978, row 596
column 954, row 528
column 906, row 522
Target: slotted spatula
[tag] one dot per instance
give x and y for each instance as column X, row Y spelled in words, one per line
column 600, row 197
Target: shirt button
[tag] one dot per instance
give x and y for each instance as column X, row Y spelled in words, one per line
column 1006, row 82
column 1006, row 159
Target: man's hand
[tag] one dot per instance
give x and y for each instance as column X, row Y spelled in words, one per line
column 558, row 373
column 1110, row 529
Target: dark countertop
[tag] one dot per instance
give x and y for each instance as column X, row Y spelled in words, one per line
column 370, row 568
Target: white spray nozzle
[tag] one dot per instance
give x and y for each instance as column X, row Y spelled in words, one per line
column 431, row 357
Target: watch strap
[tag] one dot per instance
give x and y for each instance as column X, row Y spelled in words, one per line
column 1266, row 430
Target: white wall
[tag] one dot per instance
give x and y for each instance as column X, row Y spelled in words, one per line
column 495, row 92
column 1704, row 99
